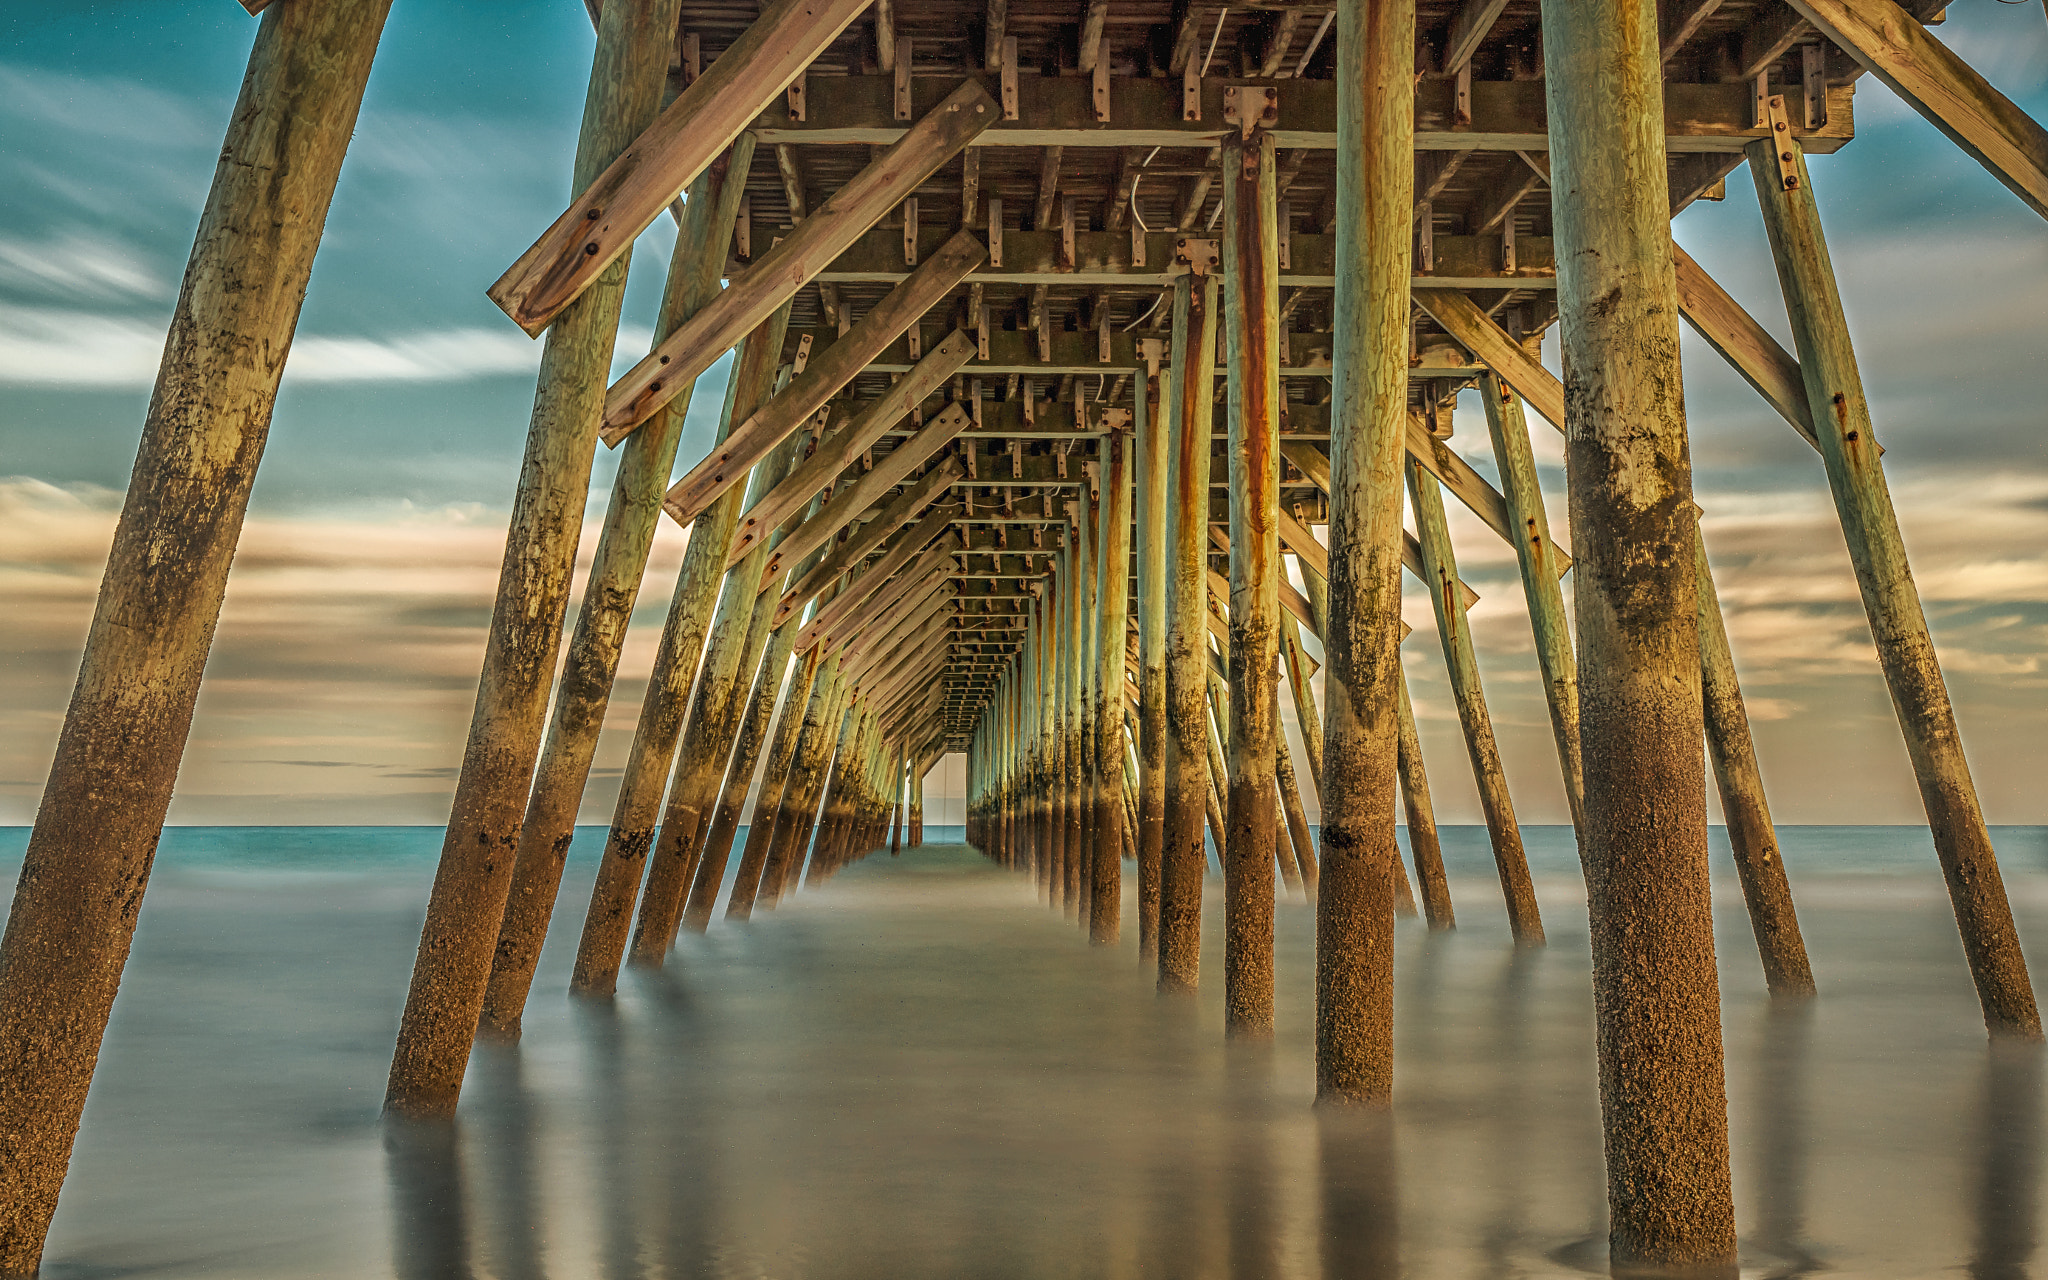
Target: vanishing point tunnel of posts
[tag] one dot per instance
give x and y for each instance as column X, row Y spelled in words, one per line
column 1085, row 357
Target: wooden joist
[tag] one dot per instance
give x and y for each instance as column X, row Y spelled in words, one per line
column 791, row 263
column 681, row 143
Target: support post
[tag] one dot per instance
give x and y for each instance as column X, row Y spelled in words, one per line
column 746, row 881
column 1656, row 993
column 89, row 855
column 608, row 919
column 459, row 939
column 1183, row 860
column 1251, row 246
column 1440, row 568
column 1422, row 841
column 1536, row 553
column 1877, row 550
column 1112, row 595
column 1361, row 681
column 1154, row 506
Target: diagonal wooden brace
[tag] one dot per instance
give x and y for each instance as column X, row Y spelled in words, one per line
column 841, row 362
column 856, row 592
column 679, row 145
column 776, row 276
column 858, row 496
column 858, row 547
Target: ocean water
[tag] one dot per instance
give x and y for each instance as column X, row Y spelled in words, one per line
column 918, row 1070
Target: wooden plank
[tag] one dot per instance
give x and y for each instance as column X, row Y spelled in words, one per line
column 1746, row 345
column 931, row 569
column 1507, row 115
column 828, row 371
column 1303, row 543
column 695, row 129
column 1954, row 98
column 1680, row 20
column 790, row 264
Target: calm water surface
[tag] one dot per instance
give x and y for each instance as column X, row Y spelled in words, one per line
column 918, row 1071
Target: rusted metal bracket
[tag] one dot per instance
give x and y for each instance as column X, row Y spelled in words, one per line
column 1152, row 351
column 1198, row 256
column 1781, row 142
column 1251, row 107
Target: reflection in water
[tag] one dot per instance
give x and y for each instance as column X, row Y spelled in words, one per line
column 430, row 1225
column 506, row 1124
column 1361, row 1207
column 920, row 1071
column 1781, row 1137
column 2009, row 1185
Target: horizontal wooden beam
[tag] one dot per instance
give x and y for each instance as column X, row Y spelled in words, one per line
column 1506, row 115
column 681, row 143
column 1104, row 259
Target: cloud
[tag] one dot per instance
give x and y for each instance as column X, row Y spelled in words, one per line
column 70, row 265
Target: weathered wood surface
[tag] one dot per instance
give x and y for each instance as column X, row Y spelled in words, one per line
column 619, row 201
column 1112, row 595
column 89, row 855
column 902, row 549
column 1376, row 122
column 1461, row 658
column 1537, row 554
column 777, row 274
column 746, row 879
column 1752, row 837
column 1644, row 835
column 1183, row 860
column 860, row 544
column 608, row 918
column 1251, row 265
column 1891, row 601
column 459, row 938
column 1422, row 841
column 1154, row 507
column 857, row 497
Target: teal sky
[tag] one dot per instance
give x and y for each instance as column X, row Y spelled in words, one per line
column 347, row 657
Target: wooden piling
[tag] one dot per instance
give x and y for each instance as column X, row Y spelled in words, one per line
column 746, row 880
column 613, row 587
column 1361, row 679
column 1751, row 835
column 89, row 855
column 1440, row 567
column 1536, row 555
column 1105, row 898
column 1422, row 841
column 1656, row 992
column 1183, row 860
column 1154, row 506
column 1877, row 550
column 478, row 852
column 1251, row 264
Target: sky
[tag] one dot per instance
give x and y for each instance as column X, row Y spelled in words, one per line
column 345, row 666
